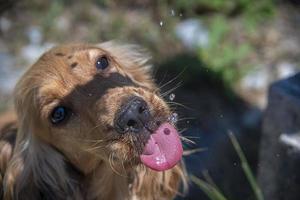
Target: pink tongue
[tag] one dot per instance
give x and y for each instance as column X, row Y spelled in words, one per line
column 163, row 150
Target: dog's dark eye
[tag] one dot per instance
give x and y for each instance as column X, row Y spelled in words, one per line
column 59, row 115
column 102, row 63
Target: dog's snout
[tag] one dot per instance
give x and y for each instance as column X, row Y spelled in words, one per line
column 133, row 116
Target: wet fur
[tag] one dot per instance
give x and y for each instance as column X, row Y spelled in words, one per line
column 85, row 161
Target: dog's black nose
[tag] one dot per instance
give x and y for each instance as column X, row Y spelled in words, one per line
column 133, row 116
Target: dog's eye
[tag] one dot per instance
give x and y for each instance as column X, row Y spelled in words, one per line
column 102, row 63
column 59, row 115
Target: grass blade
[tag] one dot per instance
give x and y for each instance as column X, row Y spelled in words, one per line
column 245, row 165
column 212, row 192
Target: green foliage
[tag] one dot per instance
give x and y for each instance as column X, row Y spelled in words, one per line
column 222, row 55
column 231, row 25
column 255, row 9
column 225, row 55
column 246, row 168
column 204, row 5
column 54, row 10
column 209, row 189
column 256, row 12
column 214, row 193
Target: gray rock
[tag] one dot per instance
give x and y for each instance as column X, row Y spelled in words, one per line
column 8, row 73
column 256, row 79
column 192, row 33
column 5, row 24
column 278, row 173
column 32, row 51
column 286, row 69
column 34, row 35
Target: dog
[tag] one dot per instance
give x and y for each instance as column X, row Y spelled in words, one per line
column 90, row 124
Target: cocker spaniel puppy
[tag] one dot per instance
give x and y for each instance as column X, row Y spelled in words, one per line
column 90, row 124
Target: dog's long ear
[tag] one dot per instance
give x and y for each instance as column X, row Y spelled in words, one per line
column 133, row 59
column 36, row 169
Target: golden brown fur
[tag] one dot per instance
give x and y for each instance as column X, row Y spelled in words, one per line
column 83, row 158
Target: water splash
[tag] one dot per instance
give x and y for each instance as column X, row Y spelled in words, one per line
column 172, row 97
column 173, row 118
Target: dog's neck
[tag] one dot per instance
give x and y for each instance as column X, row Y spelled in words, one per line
column 60, row 179
column 136, row 183
column 96, row 179
column 105, row 183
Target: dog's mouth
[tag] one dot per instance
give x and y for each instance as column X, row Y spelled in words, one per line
column 158, row 144
column 163, row 149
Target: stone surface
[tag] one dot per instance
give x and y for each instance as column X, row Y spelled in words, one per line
column 192, row 33
column 278, row 169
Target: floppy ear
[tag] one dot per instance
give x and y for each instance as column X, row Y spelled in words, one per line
column 133, row 59
column 36, row 170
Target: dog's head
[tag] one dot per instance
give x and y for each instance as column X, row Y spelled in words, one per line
column 98, row 104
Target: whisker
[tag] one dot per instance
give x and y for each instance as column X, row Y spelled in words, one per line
column 186, row 118
column 92, row 140
column 178, row 104
column 95, row 148
column 187, row 140
column 92, row 129
column 181, row 131
column 110, row 160
column 163, row 77
column 173, row 79
column 192, row 151
column 195, row 137
column 172, row 89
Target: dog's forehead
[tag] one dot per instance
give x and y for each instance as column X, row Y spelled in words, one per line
column 68, row 71
column 69, row 59
column 69, row 52
column 65, row 80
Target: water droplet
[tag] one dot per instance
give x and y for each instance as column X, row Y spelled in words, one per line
column 172, row 97
column 235, row 164
column 172, row 12
column 161, row 23
column 173, row 118
column 221, row 116
column 187, row 121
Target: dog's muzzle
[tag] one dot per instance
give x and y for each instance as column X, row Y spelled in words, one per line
column 163, row 148
column 133, row 116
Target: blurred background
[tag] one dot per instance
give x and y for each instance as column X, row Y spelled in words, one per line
column 214, row 58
